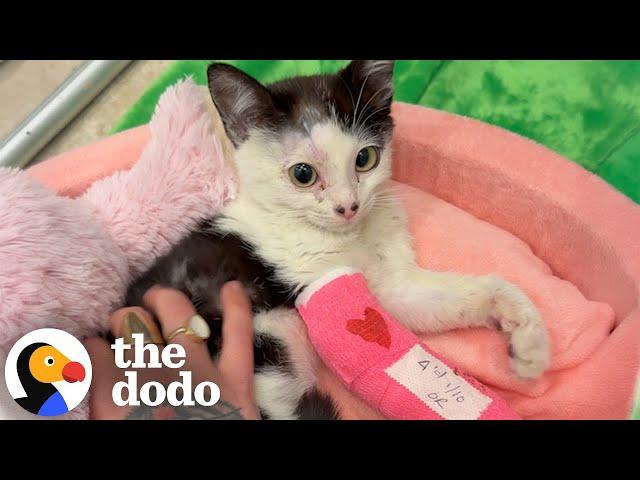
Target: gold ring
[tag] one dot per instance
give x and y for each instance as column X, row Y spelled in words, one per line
column 197, row 329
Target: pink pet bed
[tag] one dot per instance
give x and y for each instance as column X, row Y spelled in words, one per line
column 482, row 200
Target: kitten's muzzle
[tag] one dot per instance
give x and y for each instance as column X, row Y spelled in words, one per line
column 347, row 213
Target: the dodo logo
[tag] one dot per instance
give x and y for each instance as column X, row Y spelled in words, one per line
column 48, row 372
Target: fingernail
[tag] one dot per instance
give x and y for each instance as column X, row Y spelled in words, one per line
column 235, row 286
column 133, row 323
column 199, row 327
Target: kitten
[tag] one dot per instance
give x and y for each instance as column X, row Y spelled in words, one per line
column 313, row 160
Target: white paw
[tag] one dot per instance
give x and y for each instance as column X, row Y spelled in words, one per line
column 529, row 342
column 529, row 350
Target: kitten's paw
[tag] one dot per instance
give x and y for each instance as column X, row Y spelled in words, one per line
column 529, row 350
column 518, row 316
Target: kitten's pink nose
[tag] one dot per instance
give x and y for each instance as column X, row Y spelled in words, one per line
column 348, row 214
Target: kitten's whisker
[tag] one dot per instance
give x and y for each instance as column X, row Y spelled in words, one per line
column 364, row 109
column 358, row 102
column 373, row 113
column 353, row 103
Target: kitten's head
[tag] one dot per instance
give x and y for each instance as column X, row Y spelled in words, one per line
column 313, row 148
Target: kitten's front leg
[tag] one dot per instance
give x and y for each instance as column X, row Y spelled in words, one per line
column 428, row 301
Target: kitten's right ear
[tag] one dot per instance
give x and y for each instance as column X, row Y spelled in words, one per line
column 241, row 101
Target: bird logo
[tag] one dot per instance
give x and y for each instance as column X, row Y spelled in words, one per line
column 48, row 372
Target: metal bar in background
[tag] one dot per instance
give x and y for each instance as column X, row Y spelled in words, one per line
column 55, row 113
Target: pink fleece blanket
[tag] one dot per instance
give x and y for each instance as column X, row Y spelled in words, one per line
column 482, row 200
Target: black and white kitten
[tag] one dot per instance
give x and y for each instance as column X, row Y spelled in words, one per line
column 313, row 161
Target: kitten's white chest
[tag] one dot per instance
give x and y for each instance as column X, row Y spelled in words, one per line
column 301, row 253
column 304, row 258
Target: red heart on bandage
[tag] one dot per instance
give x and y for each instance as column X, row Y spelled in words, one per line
column 372, row 328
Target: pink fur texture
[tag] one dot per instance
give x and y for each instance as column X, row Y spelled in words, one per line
column 55, row 256
column 181, row 178
column 65, row 263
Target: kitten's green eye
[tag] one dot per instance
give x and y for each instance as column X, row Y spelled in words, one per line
column 303, row 175
column 367, row 159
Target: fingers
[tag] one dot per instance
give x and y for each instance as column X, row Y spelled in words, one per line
column 105, row 371
column 105, row 375
column 233, row 373
column 173, row 310
column 236, row 356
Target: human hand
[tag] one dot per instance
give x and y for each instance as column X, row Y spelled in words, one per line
column 232, row 372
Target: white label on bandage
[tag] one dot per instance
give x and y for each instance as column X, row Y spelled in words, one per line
column 439, row 387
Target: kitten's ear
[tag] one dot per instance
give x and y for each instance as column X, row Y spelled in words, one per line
column 242, row 102
column 374, row 78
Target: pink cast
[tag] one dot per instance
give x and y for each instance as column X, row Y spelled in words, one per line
column 384, row 363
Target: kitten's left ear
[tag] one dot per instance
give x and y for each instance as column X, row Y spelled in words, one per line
column 374, row 78
column 242, row 102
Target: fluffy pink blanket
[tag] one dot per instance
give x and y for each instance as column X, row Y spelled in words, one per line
column 480, row 200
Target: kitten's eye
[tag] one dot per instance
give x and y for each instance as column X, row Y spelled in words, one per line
column 303, row 175
column 367, row 159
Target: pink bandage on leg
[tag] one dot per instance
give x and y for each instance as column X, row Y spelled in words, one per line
column 384, row 363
